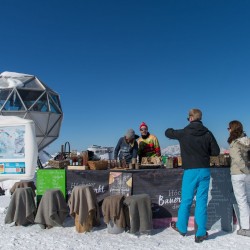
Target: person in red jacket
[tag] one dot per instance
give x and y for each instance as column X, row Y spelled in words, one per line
column 148, row 144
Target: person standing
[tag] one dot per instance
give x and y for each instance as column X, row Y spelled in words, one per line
column 148, row 144
column 197, row 144
column 239, row 148
column 127, row 148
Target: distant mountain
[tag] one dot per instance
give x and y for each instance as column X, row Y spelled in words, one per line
column 171, row 150
column 168, row 151
column 44, row 157
column 175, row 150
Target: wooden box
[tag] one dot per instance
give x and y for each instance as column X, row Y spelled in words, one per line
column 58, row 164
column 78, row 168
column 98, row 165
column 151, row 160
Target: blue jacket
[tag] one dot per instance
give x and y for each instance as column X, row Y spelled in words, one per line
column 126, row 150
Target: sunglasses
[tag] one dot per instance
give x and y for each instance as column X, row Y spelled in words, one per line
column 228, row 128
column 143, row 129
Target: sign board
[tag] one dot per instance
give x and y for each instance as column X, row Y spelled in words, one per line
column 50, row 179
column 220, row 200
column 120, row 183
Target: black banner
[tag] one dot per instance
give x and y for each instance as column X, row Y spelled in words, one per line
column 98, row 179
column 164, row 188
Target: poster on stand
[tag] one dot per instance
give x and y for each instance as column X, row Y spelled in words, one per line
column 120, row 183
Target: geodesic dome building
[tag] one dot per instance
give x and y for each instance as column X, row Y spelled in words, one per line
column 28, row 97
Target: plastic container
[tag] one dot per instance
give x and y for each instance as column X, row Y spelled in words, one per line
column 18, row 148
column 164, row 160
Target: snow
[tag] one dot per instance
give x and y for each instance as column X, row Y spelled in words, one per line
column 33, row 237
column 13, row 74
column 11, row 79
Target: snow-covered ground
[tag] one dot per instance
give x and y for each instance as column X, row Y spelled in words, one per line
column 33, row 237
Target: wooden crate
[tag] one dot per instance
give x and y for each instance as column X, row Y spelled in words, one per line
column 98, row 165
column 78, row 168
column 58, row 164
column 151, row 160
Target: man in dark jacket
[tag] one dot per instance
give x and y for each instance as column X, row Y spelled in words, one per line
column 127, row 147
column 197, row 144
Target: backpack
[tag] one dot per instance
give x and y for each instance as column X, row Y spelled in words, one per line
column 245, row 150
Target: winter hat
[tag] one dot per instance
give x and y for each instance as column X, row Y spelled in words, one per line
column 130, row 134
column 143, row 124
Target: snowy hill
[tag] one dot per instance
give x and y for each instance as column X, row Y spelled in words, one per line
column 171, row 150
column 175, row 150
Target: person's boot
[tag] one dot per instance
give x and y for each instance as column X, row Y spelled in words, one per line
column 244, row 232
column 173, row 225
column 199, row 239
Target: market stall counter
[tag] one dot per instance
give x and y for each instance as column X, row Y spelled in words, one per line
column 163, row 185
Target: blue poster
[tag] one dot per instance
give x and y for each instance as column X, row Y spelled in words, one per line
column 12, row 142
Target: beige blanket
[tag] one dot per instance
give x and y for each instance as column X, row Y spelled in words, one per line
column 112, row 209
column 22, row 208
column 52, row 209
column 83, row 203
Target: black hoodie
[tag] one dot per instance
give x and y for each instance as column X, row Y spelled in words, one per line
column 197, row 144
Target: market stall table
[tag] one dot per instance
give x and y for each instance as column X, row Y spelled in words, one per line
column 163, row 185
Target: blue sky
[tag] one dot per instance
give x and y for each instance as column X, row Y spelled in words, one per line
column 117, row 63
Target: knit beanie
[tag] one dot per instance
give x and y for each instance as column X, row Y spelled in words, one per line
column 130, row 134
column 143, row 124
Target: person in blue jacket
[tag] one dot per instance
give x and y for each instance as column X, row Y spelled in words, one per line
column 197, row 144
column 127, row 148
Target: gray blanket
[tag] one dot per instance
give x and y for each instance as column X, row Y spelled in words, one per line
column 83, row 202
column 140, row 213
column 52, row 209
column 22, row 184
column 22, row 208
